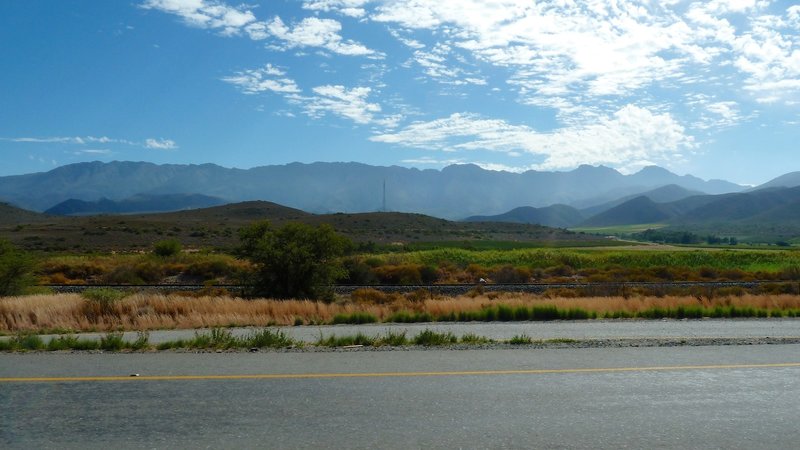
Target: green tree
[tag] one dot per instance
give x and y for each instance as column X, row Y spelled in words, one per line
column 293, row 261
column 16, row 267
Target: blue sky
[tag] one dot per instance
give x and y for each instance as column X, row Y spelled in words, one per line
column 708, row 88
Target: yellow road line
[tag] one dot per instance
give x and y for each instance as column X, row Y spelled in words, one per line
column 293, row 376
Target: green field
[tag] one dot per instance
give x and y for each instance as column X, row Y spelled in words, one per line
column 602, row 258
column 619, row 229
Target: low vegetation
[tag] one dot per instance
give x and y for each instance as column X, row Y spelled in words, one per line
column 222, row 339
column 75, row 313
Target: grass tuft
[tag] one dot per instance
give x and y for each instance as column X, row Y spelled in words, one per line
column 521, row 339
column 429, row 338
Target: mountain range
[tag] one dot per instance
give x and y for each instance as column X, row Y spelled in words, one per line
column 140, row 203
column 455, row 192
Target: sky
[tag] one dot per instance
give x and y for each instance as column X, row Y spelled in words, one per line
column 706, row 88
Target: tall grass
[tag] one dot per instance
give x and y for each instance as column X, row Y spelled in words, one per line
column 68, row 313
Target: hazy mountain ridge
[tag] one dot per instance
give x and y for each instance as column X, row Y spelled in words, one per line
column 559, row 216
column 136, row 204
column 762, row 208
column 454, row 192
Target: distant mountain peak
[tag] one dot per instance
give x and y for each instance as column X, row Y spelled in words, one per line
column 650, row 170
column 456, row 191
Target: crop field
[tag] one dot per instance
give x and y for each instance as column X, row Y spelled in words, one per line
column 748, row 261
column 620, row 229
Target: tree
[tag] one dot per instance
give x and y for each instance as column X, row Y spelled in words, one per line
column 293, row 261
column 15, row 270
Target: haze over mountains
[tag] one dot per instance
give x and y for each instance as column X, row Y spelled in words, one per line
column 454, row 192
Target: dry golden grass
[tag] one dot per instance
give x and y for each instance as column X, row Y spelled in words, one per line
column 154, row 311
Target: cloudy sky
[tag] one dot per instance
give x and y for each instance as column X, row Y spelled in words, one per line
column 709, row 88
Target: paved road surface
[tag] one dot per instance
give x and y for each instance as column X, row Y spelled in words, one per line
column 699, row 397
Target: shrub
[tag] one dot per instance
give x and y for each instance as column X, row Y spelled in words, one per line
column 429, row 338
column 149, row 271
column 399, row 274
column 418, row 296
column 357, row 272
column 122, row 275
column 395, row 339
column 509, row 274
column 371, row 296
column 354, row 318
column 166, row 248
column 520, row 339
column 344, row 341
column 28, row 342
column 15, row 270
column 112, row 342
column 100, row 302
column 210, row 268
column 268, row 339
column 294, row 261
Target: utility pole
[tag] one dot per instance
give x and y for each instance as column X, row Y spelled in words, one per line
column 384, row 195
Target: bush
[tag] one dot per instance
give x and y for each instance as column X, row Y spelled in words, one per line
column 100, row 302
column 357, row 318
column 16, row 268
column 429, row 338
column 372, row 296
column 294, row 261
column 358, row 272
column 169, row 247
column 521, row 339
column 509, row 274
column 399, row 274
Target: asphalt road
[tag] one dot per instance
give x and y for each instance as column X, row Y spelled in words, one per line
column 684, row 397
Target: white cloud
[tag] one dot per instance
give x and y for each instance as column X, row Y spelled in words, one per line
column 93, row 151
column 78, row 140
column 352, row 8
column 631, row 137
column 268, row 78
column 315, row 32
column 762, row 50
column 727, row 113
column 555, row 48
column 449, row 162
column 349, row 103
column 160, row 144
column 582, row 52
column 408, row 42
column 209, row 14
column 431, row 161
column 437, row 64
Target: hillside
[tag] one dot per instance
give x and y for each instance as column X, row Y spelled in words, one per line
column 559, row 216
column 454, row 192
column 741, row 206
column 217, row 227
column 663, row 194
column 640, row 210
column 767, row 215
column 141, row 203
column 791, row 179
column 13, row 216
